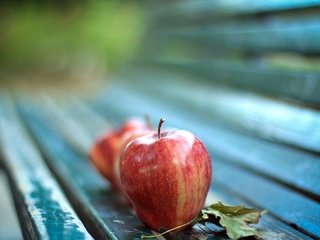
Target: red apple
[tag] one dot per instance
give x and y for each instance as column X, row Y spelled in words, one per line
column 105, row 153
column 166, row 176
column 125, row 140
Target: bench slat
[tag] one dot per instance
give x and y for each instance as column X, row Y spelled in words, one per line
column 67, row 126
column 294, row 84
column 100, row 210
column 300, row 211
column 246, row 112
column 42, row 207
column 297, row 35
column 191, row 9
column 271, row 227
column 277, row 162
column 289, row 214
column 86, row 117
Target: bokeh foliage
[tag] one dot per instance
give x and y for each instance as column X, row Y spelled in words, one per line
column 57, row 37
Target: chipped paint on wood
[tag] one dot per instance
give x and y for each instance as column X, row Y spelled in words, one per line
column 51, row 215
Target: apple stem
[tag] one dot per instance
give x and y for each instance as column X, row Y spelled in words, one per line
column 159, row 127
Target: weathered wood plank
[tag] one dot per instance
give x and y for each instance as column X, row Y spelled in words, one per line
column 247, row 112
column 61, row 119
column 103, row 213
column 277, row 162
column 9, row 225
column 302, row 212
column 94, row 124
column 270, row 227
column 44, row 212
column 294, row 35
column 294, row 84
column 192, row 9
column 78, row 136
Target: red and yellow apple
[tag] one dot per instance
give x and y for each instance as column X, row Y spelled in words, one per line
column 125, row 140
column 166, row 176
column 105, row 153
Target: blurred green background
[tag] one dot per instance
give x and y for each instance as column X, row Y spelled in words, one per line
column 78, row 41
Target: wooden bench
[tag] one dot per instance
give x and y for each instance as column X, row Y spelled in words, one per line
column 243, row 76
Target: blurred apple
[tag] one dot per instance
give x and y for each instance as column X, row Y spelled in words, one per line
column 105, row 153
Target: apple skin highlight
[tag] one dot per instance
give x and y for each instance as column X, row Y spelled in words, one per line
column 166, row 177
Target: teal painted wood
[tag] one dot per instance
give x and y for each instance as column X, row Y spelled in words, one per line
column 277, row 162
column 104, row 210
column 9, row 224
column 191, row 9
column 270, row 227
column 302, row 212
column 297, row 85
column 94, row 124
column 62, row 115
column 261, row 191
column 61, row 119
column 246, row 112
column 104, row 214
column 296, row 34
column 44, row 212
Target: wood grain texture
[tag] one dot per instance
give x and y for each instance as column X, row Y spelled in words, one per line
column 307, row 221
column 295, row 34
column 278, row 162
column 43, row 209
column 269, row 226
column 236, row 51
column 101, row 210
column 293, row 84
column 248, row 112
